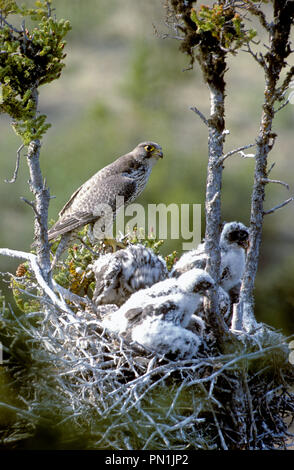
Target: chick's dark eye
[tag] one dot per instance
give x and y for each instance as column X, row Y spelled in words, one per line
column 149, row 148
column 233, row 236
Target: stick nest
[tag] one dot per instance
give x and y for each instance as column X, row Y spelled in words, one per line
column 71, row 385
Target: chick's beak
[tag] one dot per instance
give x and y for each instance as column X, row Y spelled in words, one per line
column 208, row 290
column 245, row 244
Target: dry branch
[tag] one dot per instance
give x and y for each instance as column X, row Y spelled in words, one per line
column 234, row 151
column 200, row 114
column 60, row 304
column 15, row 173
column 278, row 206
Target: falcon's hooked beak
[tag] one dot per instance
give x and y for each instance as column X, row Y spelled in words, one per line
column 157, row 153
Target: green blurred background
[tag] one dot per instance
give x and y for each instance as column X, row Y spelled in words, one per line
column 123, row 84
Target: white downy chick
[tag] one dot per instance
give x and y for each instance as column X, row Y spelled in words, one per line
column 233, row 242
column 118, row 275
column 157, row 317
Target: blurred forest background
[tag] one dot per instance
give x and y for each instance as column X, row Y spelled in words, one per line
column 123, row 84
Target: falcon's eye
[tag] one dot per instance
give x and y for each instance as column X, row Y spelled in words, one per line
column 149, row 148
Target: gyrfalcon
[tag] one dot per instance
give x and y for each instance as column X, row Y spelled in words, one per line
column 125, row 177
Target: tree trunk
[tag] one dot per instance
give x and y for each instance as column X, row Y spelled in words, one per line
column 213, row 205
column 42, row 198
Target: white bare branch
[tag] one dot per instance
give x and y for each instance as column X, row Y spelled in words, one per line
column 61, row 304
column 237, row 150
column 200, row 114
column 282, row 106
column 268, row 180
column 279, row 206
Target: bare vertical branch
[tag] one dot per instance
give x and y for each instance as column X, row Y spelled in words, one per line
column 213, row 203
column 213, row 65
column 42, row 197
column 274, row 62
column 209, row 47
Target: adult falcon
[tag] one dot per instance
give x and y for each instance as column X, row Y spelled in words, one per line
column 116, row 185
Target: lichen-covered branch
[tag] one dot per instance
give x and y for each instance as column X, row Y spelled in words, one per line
column 274, row 62
column 213, row 201
column 42, row 199
column 213, row 64
column 209, row 34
